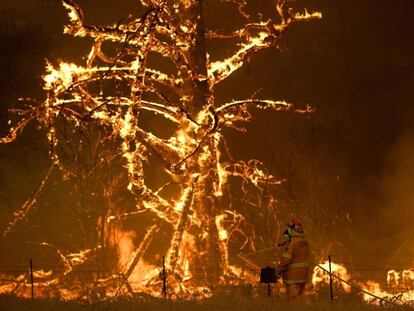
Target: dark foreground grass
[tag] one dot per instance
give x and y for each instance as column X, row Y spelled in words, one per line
column 225, row 303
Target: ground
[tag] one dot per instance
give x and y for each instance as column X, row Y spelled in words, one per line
column 228, row 303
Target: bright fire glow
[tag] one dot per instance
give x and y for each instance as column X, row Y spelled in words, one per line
column 320, row 276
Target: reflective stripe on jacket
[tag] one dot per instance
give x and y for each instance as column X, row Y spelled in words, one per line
column 295, row 261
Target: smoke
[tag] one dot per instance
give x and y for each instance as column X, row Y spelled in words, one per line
column 397, row 185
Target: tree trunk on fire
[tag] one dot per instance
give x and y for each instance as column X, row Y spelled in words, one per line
column 204, row 267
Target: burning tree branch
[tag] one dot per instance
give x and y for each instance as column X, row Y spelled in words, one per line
column 23, row 212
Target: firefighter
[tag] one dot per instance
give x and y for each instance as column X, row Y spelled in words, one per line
column 294, row 263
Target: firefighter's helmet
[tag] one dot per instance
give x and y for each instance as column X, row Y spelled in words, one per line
column 296, row 221
column 296, row 224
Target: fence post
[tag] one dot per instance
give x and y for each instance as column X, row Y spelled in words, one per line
column 164, row 279
column 330, row 278
column 31, row 277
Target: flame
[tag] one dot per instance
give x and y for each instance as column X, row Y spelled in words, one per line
column 370, row 291
column 308, row 16
column 401, row 284
column 320, row 276
column 125, row 248
column 60, row 79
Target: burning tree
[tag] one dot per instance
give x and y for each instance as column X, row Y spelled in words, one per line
column 94, row 115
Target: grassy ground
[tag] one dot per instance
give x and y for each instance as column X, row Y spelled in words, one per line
column 225, row 303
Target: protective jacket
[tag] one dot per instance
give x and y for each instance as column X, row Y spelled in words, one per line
column 295, row 260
